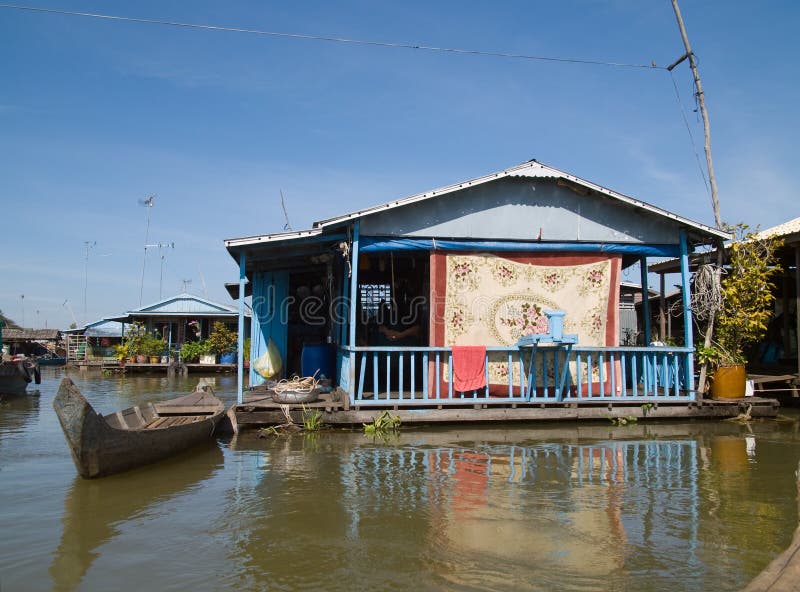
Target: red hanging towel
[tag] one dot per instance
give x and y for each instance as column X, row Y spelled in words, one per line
column 469, row 367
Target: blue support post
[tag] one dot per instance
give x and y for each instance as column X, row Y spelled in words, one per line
column 240, row 337
column 351, row 341
column 645, row 300
column 687, row 315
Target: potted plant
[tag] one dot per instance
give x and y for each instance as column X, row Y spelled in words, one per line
column 192, row 350
column 222, row 341
column 742, row 320
column 134, row 338
column 152, row 347
column 121, row 353
column 246, row 352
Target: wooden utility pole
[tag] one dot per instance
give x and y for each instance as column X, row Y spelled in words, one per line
column 701, row 100
column 701, row 384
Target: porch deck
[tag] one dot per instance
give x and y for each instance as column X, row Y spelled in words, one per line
column 258, row 409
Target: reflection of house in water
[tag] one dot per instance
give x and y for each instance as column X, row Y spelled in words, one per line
column 597, row 510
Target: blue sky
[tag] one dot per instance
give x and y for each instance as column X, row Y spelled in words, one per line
column 96, row 115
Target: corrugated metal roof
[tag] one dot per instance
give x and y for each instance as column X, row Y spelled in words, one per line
column 782, row 230
column 531, row 169
column 267, row 238
column 103, row 328
column 30, row 334
column 183, row 304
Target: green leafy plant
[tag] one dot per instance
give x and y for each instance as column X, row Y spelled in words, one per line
column 716, row 355
column 152, row 346
column 222, row 340
column 383, row 425
column 121, row 351
column 312, row 419
column 621, row 421
column 747, row 296
column 192, row 350
column 135, row 335
column 246, row 346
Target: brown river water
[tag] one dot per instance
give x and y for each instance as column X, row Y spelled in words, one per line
column 653, row 506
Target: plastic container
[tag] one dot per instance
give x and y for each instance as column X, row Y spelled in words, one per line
column 317, row 358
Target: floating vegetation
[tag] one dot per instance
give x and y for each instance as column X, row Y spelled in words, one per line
column 312, row 422
column 383, row 426
column 621, row 421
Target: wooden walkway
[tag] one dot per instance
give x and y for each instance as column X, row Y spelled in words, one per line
column 258, row 409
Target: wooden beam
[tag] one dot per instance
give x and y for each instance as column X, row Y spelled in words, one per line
column 353, row 312
column 688, row 335
column 645, row 301
column 240, row 345
column 797, row 302
column 662, row 310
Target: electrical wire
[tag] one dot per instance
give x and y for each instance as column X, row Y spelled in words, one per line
column 689, row 130
column 331, row 39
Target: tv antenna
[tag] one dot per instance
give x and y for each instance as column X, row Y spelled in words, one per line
column 147, row 203
column 186, row 286
column 162, row 248
column 69, row 308
column 89, row 245
column 286, row 226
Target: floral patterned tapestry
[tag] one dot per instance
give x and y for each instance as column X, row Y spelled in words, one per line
column 491, row 300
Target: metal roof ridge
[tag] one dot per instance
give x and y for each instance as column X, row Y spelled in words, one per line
column 246, row 240
column 512, row 171
column 182, row 295
column 427, row 194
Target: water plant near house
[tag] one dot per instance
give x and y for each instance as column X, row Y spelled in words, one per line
column 312, row 419
column 383, row 425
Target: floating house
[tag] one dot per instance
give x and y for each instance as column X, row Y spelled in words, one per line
column 32, row 342
column 181, row 318
column 94, row 343
column 500, row 294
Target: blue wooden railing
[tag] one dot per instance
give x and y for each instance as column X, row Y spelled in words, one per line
column 418, row 375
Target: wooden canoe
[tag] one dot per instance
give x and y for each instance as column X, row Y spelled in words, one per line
column 103, row 445
column 16, row 376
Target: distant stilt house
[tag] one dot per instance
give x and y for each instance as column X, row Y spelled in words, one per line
column 778, row 351
column 94, row 342
column 32, row 342
column 181, row 318
column 504, row 289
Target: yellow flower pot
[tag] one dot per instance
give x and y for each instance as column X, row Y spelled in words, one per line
column 729, row 382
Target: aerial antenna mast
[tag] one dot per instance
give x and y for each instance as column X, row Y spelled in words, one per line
column 147, row 203
column 162, row 248
column 286, row 226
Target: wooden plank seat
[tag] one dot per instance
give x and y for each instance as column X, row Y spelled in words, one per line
column 760, row 382
column 174, row 420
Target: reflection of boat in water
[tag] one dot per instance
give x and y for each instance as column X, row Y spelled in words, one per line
column 15, row 376
column 96, row 510
column 102, row 445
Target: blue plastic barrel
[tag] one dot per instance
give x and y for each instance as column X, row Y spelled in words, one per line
column 317, row 358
